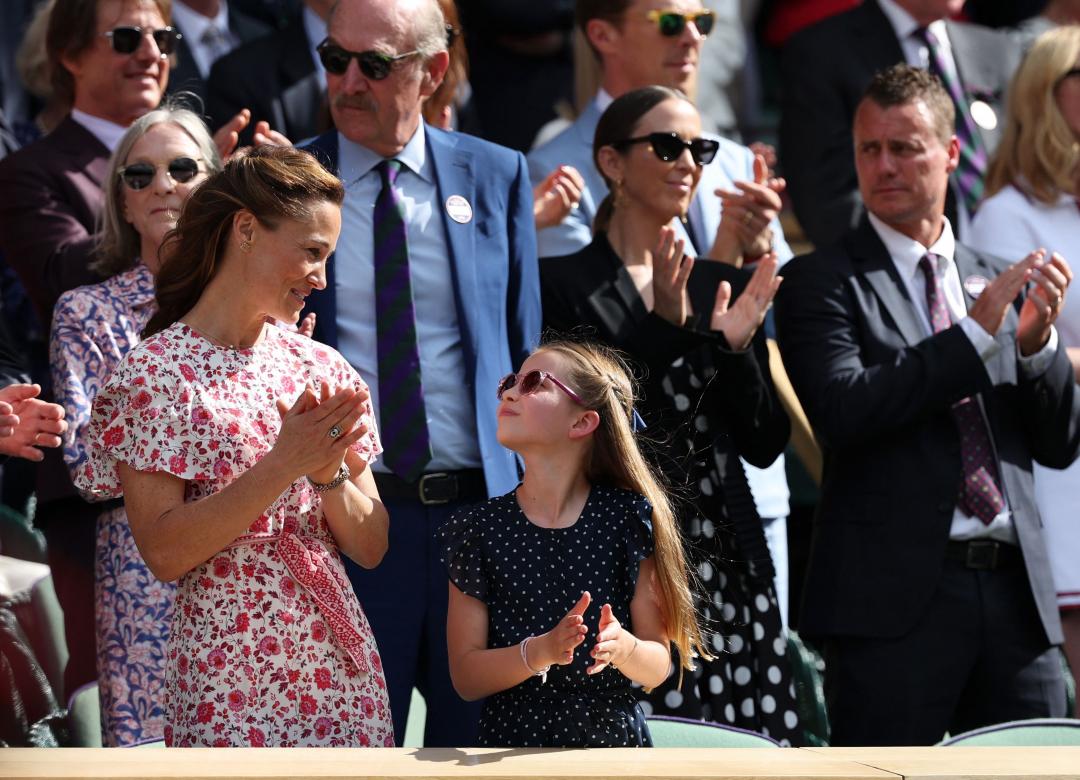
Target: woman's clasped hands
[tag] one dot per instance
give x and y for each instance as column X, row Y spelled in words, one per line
column 318, row 429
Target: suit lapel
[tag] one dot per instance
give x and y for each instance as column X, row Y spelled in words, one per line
column 975, row 65
column 879, row 271
column 968, row 265
column 455, row 175
column 87, row 153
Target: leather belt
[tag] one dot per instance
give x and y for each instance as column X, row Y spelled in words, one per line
column 438, row 487
column 984, row 554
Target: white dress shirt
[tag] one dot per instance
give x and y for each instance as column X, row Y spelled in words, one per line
column 448, row 400
column 194, row 26
column 109, row 133
column 906, row 253
column 916, row 53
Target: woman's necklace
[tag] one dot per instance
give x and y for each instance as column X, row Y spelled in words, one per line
column 221, row 342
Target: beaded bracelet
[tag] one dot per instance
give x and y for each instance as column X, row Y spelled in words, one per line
column 342, row 475
column 543, row 671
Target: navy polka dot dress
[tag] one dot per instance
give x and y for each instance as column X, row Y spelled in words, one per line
column 530, row 577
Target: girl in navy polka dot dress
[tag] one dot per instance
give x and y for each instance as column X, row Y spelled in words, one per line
column 567, row 590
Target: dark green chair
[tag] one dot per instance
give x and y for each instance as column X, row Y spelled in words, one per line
column 84, row 717
column 808, row 673
column 19, row 538
column 671, row 732
column 1037, row 732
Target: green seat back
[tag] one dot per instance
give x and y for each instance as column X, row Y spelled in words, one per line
column 807, row 671
column 1037, row 732
column 681, row 733
column 84, row 717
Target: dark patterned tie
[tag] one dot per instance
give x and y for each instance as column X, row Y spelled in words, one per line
column 973, row 160
column 401, row 398
column 980, row 495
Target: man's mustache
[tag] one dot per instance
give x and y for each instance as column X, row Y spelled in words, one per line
column 362, row 102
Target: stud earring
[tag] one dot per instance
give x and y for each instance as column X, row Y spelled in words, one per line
column 245, row 246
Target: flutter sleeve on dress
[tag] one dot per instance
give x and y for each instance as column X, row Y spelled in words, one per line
column 150, row 417
column 462, row 550
column 639, row 536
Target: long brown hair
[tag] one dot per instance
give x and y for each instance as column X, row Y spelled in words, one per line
column 603, row 381
column 273, row 183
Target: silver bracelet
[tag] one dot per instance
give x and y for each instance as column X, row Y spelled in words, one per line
column 623, row 661
column 541, row 672
column 342, row 475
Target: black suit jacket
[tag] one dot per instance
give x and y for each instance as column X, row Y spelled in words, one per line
column 276, row 78
column 878, row 392
column 184, row 75
column 826, row 68
column 590, row 293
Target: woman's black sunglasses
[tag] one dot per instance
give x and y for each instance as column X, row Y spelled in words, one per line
column 668, row 146
column 372, row 64
column 126, row 40
column 138, row 176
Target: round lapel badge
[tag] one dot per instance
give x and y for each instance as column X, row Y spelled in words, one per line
column 974, row 285
column 983, row 114
column 459, row 209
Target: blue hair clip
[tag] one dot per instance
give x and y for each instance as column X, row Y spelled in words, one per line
column 636, row 421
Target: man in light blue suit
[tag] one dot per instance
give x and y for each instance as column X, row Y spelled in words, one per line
column 433, row 296
column 643, row 42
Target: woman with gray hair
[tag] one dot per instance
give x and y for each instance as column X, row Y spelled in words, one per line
column 162, row 157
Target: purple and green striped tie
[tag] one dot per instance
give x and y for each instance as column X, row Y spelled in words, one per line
column 973, row 159
column 407, row 447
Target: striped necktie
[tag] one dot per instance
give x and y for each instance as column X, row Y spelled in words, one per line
column 407, row 448
column 973, row 158
column 980, row 494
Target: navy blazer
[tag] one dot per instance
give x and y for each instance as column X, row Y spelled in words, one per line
column 494, row 267
column 878, row 392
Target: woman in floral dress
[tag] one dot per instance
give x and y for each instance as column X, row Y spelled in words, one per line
column 162, row 157
column 241, row 450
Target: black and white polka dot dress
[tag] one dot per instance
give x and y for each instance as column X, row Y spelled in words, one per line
column 530, row 577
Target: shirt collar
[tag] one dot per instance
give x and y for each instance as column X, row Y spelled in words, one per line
column 904, row 24
column 315, row 29
column 907, row 252
column 603, row 99
column 109, row 133
column 357, row 161
column 194, row 24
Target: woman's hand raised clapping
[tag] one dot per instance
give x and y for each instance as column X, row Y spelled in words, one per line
column 317, row 430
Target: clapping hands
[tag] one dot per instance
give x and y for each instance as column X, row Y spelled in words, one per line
column 228, row 135
column 740, row 322
column 27, row 422
column 747, row 214
column 557, row 646
column 318, row 428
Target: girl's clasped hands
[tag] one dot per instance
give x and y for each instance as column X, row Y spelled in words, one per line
column 556, row 647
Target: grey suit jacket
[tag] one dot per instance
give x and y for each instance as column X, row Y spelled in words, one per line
column 573, row 146
column 826, row 69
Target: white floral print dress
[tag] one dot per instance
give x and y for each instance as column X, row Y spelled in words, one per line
column 268, row 645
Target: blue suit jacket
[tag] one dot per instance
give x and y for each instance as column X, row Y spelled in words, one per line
column 573, row 146
column 493, row 262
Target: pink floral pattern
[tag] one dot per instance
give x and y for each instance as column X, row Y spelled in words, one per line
column 269, row 646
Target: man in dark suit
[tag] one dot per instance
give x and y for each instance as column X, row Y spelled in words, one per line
column 50, row 198
column 279, row 77
column 433, row 296
column 933, row 381
column 211, row 29
column 827, row 66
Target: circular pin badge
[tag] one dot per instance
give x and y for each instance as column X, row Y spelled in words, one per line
column 459, row 209
column 974, row 285
column 983, row 114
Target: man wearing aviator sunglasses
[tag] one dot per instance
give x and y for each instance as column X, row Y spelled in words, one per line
column 640, row 43
column 433, row 295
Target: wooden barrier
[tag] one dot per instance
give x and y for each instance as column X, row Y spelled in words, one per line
column 959, row 763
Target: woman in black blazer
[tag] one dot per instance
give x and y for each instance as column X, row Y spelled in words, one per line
column 707, row 396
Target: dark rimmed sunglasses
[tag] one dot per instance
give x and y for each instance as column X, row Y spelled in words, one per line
column 668, row 146
column 530, row 382
column 126, row 40
column 672, row 23
column 138, row 176
column 372, row 64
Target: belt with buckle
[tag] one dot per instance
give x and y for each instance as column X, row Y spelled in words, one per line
column 438, row 487
column 984, row 554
